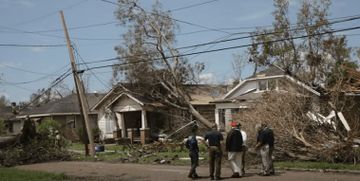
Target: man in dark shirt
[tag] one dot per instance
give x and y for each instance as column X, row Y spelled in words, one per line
column 265, row 143
column 214, row 139
column 234, row 145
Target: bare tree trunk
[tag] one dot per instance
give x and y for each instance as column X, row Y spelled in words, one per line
column 198, row 116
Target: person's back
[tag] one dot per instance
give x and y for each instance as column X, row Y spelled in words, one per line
column 234, row 141
column 192, row 145
column 266, row 136
column 214, row 138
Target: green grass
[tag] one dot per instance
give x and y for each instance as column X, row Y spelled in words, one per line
column 317, row 165
column 11, row 174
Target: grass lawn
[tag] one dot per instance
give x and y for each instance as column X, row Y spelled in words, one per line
column 12, row 174
column 317, row 165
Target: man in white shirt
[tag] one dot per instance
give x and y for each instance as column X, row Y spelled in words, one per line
column 244, row 149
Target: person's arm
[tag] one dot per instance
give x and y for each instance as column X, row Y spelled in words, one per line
column 228, row 141
column 260, row 141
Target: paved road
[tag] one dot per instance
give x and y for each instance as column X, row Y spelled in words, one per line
column 137, row 172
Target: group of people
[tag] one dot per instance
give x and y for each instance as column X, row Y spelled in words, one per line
column 235, row 146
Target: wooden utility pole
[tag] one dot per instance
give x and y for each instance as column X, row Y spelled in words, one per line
column 79, row 88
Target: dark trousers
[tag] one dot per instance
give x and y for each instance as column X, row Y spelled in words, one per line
column 194, row 157
column 215, row 155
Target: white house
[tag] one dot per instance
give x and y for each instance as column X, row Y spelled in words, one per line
column 250, row 90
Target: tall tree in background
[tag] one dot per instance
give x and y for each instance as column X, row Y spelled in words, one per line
column 312, row 59
column 151, row 59
column 3, row 102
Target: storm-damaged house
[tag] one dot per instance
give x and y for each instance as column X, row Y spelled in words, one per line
column 250, row 91
column 128, row 114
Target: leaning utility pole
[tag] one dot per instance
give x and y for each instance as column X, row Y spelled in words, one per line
column 79, row 88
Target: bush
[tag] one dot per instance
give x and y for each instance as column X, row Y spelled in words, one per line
column 48, row 127
column 2, row 127
column 37, row 147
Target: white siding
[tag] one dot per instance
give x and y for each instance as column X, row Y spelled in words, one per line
column 125, row 104
column 107, row 125
column 244, row 88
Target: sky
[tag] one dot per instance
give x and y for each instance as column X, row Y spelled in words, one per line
column 95, row 32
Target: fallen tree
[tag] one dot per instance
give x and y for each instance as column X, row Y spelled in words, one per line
column 300, row 136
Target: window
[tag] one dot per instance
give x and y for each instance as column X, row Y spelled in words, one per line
column 270, row 84
column 262, row 85
column 70, row 120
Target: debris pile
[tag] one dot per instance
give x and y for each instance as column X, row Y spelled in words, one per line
column 297, row 132
column 32, row 147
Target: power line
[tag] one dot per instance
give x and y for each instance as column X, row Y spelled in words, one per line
column 49, row 14
column 24, row 70
column 76, row 27
column 268, row 33
column 233, row 39
column 193, row 5
column 32, row 45
column 31, row 81
column 177, row 20
column 232, row 47
column 78, row 54
column 53, row 84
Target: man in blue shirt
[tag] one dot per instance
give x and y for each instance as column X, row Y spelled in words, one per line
column 192, row 145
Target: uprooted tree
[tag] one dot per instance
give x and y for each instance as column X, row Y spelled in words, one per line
column 148, row 57
column 321, row 60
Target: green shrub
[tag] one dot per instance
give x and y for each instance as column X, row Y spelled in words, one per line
column 2, row 127
column 48, row 127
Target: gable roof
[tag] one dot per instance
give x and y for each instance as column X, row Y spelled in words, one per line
column 273, row 70
column 270, row 73
column 66, row 105
column 6, row 113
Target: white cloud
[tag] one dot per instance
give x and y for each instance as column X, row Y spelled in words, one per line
column 24, row 3
column 253, row 16
column 37, row 49
column 207, row 78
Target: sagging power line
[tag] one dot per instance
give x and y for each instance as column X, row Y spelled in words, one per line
column 228, row 48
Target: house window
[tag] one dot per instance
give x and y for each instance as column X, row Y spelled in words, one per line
column 262, row 85
column 70, row 120
column 270, row 84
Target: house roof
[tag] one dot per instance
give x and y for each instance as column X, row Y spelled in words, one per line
column 6, row 113
column 66, row 105
column 202, row 94
column 272, row 72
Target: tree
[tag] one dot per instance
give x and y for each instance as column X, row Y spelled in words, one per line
column 311, row 59
column 150, row 58
column 321, row 60
column 3, row 101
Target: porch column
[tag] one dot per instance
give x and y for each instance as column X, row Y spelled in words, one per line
column 228, row 118
column 121, row 122
column 144, row 131
column 143, row 119
column 217, row 118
